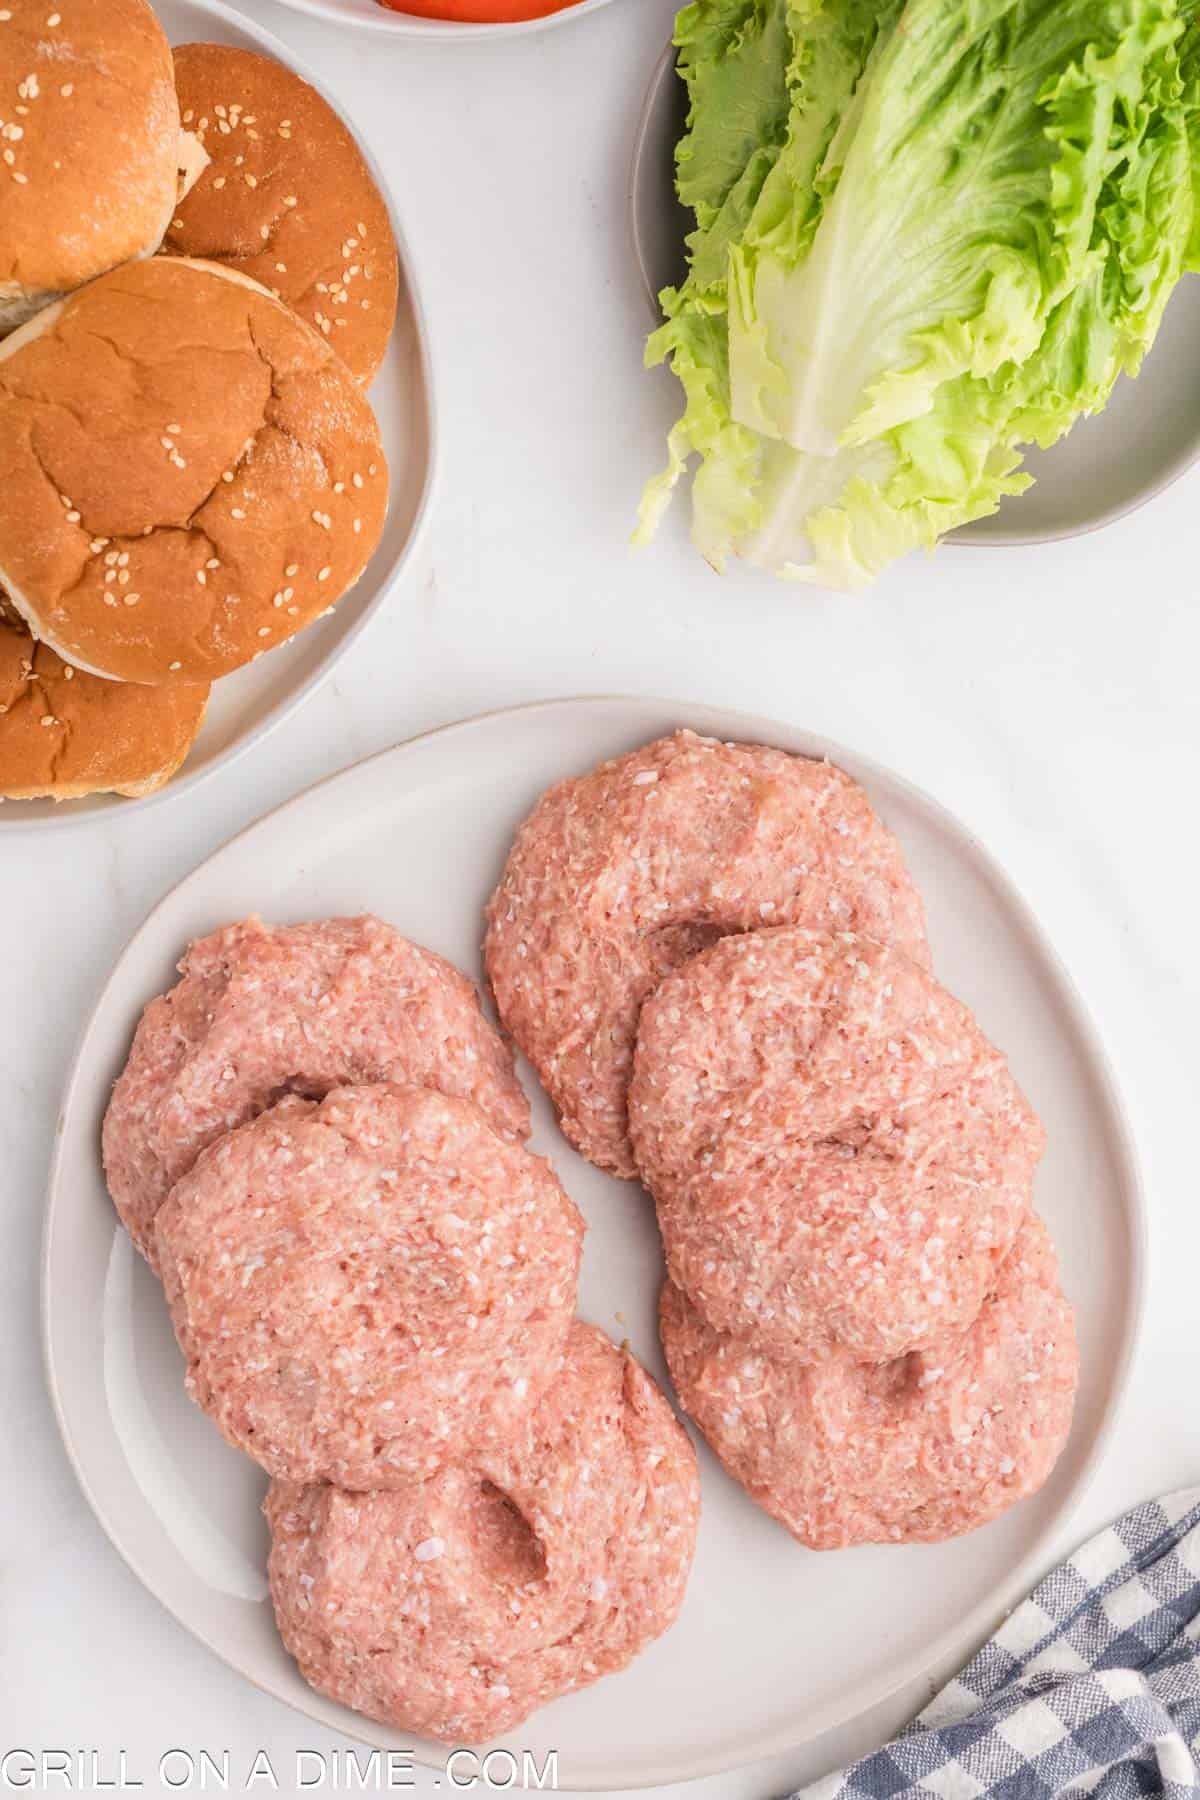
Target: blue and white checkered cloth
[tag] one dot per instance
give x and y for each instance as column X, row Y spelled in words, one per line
column 1092, row 1686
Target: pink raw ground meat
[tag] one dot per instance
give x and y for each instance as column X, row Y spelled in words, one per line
column 367, row 1287
column 915, row 1450
column 265, row 1010
column 838, row 1155
column 620, row 875
column 455, row 1607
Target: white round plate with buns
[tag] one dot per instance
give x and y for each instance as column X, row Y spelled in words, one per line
column 245, row 704
column 369, row 15
column 770, row 1648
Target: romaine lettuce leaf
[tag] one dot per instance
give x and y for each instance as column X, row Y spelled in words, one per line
column 1099, row 188
column 963, row 213
column 1189, row 68
column 905, row 488
column 788, row 66
column 733, row 56
column 833, row 42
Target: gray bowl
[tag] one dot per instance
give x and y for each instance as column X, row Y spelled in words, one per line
column 1146, row 437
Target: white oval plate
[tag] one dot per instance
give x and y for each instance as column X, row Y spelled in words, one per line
column 368, row 15
column 247, row 705
column 774, row 1644
column 1107, row 466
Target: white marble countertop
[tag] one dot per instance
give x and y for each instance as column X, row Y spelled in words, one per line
column 1047, row 696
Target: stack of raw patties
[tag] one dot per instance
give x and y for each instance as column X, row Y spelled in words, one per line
column 477, row 1502
column 198, row 279
column 716, row 960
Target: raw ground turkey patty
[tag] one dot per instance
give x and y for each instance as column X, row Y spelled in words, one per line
column 455, row 1607
column 916, row 1450
column 264, row 1010
column 368, row 1286
column 620, row 875
column 838, row 1155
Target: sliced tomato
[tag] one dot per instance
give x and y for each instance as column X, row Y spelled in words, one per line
column 480, row 12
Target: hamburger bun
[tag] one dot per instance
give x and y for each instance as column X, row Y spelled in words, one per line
column 188, row 474
column 286, row 198
column 64, row 734
column 89, row 145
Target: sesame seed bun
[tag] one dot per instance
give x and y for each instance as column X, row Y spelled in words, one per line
column 64, row 734
column 286, row 198
column 188, row 474
column 89, row 143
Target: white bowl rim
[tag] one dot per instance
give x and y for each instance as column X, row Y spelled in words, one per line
column 459, row 31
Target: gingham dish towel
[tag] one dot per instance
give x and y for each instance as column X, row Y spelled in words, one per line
column 1092, row 1686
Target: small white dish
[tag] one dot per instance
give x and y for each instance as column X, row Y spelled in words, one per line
column 247, row 705
column 368, row 15
column 1107, row 466
column 774, row 1644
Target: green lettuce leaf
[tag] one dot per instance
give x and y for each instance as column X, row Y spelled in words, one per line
column 1099, row 188
column 839, row 521
column 778, row 71
column 725, row 505
column 962, row 215
column 733, row 56
column 1189, row 67
column 832, row 45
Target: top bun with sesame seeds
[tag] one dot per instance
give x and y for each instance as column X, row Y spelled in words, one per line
column 188, row 474
column 89, row 144
column 286, row 198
